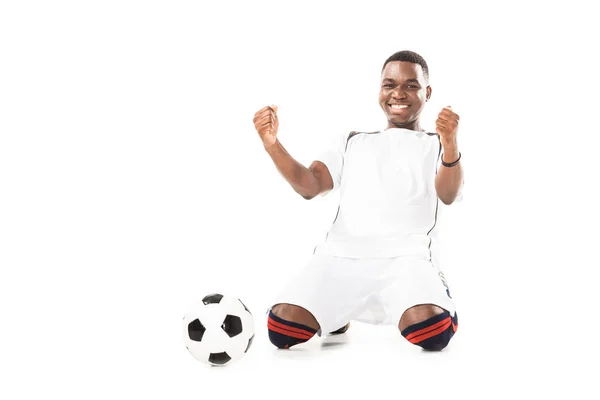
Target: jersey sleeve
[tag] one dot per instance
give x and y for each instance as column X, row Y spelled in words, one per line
column 333, row 158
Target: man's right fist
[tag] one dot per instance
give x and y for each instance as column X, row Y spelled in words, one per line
column 267, row 124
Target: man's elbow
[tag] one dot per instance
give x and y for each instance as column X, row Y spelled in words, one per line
column 311, row 194
column 447, row 198
column 447, row 194
column 312, row 190
column 446, row 201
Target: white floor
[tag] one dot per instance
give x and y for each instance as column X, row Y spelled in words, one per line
column 375, row 361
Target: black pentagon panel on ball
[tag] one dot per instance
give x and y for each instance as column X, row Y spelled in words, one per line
column 232, row 325
column 196, row 330
column 249, row 343
column 214, row 298
column 219, row 358
column 246, row 308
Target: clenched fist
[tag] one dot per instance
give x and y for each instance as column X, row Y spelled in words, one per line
column 267, row 124
column 447, row 125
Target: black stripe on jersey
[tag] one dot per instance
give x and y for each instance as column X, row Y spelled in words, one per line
column 437, row 199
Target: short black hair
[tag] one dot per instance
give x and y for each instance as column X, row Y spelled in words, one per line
column 410, row 56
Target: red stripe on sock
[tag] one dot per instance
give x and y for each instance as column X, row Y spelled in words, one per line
column 427, row 329
column 430, row 334
column 288, row 333
column 289, row 328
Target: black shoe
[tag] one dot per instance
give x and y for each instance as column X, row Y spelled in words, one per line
column 343, row 329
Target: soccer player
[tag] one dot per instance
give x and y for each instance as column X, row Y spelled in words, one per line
column 378, row 261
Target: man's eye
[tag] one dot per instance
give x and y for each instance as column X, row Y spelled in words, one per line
column 412, row 87
column 388, row 85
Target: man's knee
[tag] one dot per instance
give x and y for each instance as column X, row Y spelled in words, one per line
column 428, row 326
column 290, row 325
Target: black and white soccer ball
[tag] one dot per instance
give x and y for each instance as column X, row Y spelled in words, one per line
column 218, row 329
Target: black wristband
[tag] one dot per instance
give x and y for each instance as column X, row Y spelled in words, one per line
column 445, row 164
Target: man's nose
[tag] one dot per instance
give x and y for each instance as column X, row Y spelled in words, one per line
column 398, row 93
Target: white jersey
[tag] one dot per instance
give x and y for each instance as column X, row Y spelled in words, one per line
column 388, row 202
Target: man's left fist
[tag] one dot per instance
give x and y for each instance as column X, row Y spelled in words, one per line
column 446, row 125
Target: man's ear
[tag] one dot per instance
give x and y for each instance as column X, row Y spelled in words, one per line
column 428, row 94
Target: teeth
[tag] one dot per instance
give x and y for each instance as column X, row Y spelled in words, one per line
column 398, row 106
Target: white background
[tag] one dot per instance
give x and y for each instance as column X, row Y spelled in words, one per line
column 132, row 182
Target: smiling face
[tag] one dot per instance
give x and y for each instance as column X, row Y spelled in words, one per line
column 404, row 91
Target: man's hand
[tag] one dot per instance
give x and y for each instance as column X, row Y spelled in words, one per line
column 446, row 126
column 267, row 124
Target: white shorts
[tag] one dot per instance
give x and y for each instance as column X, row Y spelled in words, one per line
column 337, row 290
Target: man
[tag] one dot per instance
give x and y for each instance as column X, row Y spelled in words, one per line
column 377, row 263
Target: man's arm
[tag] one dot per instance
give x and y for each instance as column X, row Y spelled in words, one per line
column 307, row 182
column 449, row 180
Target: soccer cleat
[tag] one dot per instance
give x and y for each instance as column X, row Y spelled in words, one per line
column 343, row 329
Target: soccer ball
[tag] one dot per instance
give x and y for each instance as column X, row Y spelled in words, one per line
column 218, row 329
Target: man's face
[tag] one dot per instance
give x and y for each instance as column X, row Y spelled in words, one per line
column 403, row 94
